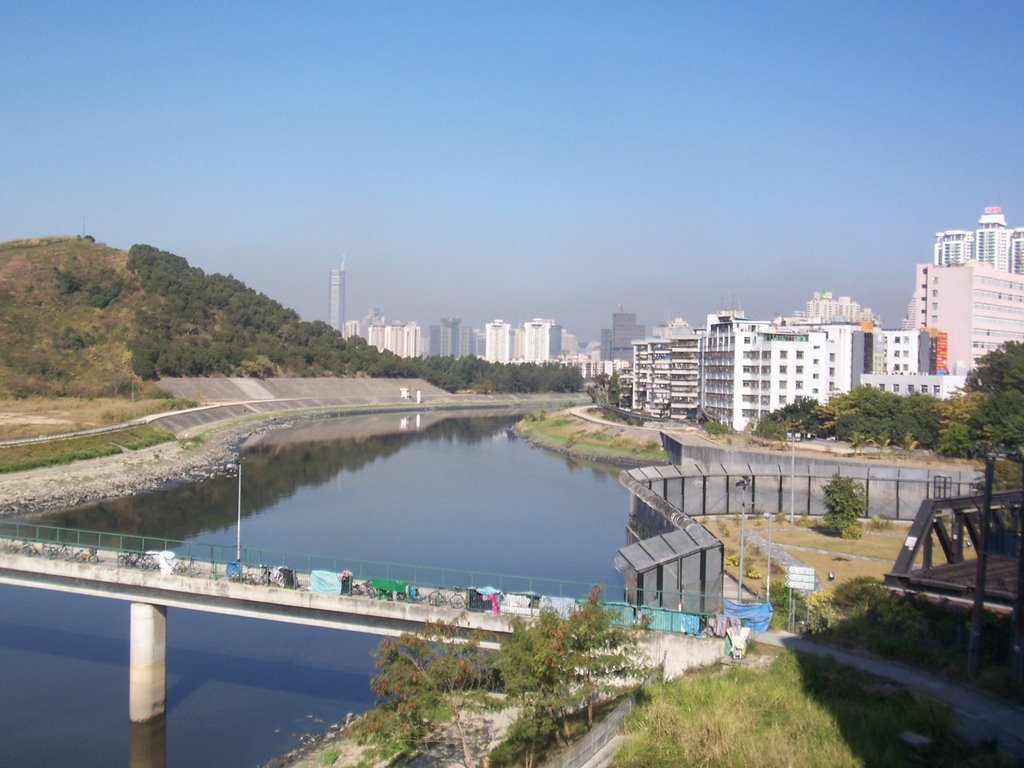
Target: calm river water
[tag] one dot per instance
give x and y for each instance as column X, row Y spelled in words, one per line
column 437, row 491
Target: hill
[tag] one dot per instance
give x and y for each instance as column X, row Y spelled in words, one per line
column 82, row 319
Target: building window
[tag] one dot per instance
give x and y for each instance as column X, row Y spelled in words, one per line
column 783, row 369
column 783, row 355
column 799, row 354
column 882, row 387
column 895, row 387
column 799, row 369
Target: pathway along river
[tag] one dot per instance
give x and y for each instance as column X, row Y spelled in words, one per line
column 456, row 492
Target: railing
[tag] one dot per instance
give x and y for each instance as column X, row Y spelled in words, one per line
column 592, row 742
column 218, row 556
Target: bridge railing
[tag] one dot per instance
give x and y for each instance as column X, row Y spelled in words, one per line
column 219, row 556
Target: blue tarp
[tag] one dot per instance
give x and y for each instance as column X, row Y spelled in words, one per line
column 325, row 581
column 756, row 616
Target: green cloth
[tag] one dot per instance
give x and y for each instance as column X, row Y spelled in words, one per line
column 389, row 585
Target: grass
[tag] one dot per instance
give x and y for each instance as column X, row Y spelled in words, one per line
column 16, row 458
column 820, row 550
column 562, row 431
column 789, row 711
column 35, row 416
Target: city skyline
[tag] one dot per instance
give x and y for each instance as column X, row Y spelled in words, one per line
column 518, row 161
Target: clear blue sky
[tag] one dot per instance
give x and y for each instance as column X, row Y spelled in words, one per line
column 519, row 159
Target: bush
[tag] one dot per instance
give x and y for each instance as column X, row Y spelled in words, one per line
column 852, row 531
column 752, row 572
column 845, row 502
column 879, row 523
column 714, row 428
column 733, row 560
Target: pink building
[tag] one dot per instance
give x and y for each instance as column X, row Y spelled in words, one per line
column 977, row 305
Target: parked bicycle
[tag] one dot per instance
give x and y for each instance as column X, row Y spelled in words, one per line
column 185, row 567
column 363, row 588
column 447, row 597
column 89, row 555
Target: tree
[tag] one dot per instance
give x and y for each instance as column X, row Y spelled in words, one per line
column 424, row 679
column 845, row 502
column 603, row 654
column 550, row 665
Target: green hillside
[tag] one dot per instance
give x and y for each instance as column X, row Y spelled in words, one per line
column 67, row 308
column 81, row 319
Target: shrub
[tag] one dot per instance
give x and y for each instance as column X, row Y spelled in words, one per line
column 879, row 523
column 714, row 428
column 845, row 501
column 752, row 572
column 733, row 560
column 852, row 531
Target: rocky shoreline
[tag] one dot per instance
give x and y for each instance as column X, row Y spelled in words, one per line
column 37, row 491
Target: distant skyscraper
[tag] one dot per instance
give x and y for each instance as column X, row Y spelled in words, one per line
column 445, row 338
column 499, row 342
column 337, row 298
column 617, row 344
column 992, row 243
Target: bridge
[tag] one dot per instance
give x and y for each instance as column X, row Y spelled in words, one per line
column 96, row 564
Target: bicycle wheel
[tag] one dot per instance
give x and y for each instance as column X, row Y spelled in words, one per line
column 436, row 599
column 457, row 600
column 93, row 557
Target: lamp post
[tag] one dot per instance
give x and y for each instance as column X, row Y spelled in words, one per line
column 238, row 528
column 792, row 476
column 742, row 484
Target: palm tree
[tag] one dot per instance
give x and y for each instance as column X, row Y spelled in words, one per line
column 907, row 442
column 883, row 441
column 858, row 440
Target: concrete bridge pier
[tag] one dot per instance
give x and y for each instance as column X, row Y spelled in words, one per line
column 147, row 673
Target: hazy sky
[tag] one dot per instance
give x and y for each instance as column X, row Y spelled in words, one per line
column 519, row 159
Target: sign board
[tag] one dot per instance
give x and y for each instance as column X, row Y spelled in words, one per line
column 798, row 582
column 800, row 577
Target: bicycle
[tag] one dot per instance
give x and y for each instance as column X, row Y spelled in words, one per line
column 185, row 567
column 129, row 559
column 363, row 589
column 447, row 598
column 53, row 551
column 89, row 555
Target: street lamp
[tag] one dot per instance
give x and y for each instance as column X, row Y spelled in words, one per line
column 742, row 484
column 792, row 475
column 238, row 528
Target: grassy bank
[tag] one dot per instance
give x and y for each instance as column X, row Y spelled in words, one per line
column 560, row 431
column 16, row 458
column 793, row 710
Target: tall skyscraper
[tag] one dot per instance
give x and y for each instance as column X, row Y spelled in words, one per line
column 617, row 344
column 499, row 342
column 336, row 316
column 992, row 243
column 445, row 338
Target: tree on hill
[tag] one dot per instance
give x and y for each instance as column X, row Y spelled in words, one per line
column 997, row 418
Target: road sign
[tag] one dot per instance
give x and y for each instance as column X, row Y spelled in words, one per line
column 797, row 582
column 799, row 570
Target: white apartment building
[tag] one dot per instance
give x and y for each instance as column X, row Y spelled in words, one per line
column 825, row 308
column 751, row 368
column 542, row 341
column 403, row 339
column 992, row 243
column 666, row 374
column 934, row 384
column 498, row 342
column 901, row 352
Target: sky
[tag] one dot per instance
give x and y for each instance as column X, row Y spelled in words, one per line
column 522, row 159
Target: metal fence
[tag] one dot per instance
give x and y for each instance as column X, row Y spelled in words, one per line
column 579, row 753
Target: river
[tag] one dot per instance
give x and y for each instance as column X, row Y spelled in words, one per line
column 443, row 491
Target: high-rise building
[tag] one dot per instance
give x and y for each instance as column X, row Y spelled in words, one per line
column 617, row 344
column 992, row 243
column 666, row 373
column 498, row 348
column 978, row 306
column 336, row 315
column 542, row 340
column 445, row 338
column 826, row 308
